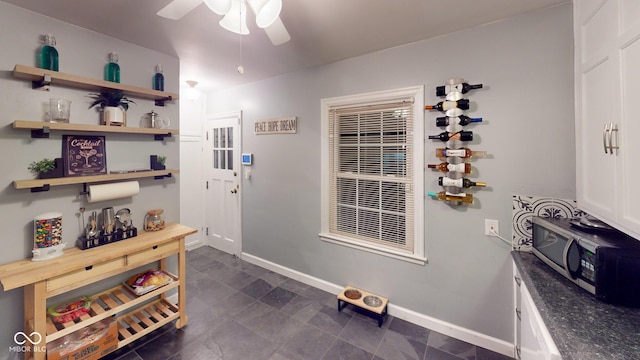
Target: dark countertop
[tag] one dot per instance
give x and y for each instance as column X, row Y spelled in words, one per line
column 581, row 326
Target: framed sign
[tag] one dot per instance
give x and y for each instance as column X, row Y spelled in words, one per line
column 288, row 125
column 84, row 155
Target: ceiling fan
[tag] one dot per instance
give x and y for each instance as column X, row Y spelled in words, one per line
column 267, row 15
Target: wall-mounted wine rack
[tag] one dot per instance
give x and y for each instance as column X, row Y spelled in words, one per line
column 453, row 157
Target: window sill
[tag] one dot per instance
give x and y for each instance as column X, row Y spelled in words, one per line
column 379, row 250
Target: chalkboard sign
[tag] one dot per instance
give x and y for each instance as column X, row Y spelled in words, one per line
column 84, row 155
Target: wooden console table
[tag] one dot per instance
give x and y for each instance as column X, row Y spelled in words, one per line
column 136, row 315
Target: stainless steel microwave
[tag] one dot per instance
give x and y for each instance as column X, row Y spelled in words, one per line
column 606, row 263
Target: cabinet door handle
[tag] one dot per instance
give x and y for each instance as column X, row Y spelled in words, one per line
column 519, row 314
column 604, row 137
column 614, row 128
column 517, row 279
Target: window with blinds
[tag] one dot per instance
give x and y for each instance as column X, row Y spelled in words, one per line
column 371, row 151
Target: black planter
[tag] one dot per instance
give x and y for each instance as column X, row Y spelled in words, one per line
column 57, row 172
column 155, row 165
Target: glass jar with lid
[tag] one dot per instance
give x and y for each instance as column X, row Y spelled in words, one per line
column 154, row 220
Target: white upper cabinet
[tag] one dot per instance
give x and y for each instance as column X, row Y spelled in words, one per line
column 607, row 79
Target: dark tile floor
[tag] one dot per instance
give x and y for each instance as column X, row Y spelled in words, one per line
column 238, row 310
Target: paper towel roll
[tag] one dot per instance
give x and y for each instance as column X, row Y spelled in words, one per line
column 112, row 191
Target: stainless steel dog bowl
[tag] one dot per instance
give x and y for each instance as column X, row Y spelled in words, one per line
column 372, row 301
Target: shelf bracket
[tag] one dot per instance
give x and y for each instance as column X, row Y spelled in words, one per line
column 161, row 137
column 160, row 102
column 43, row 84
column 162, row 176
column 42, row 188
column 41, row 133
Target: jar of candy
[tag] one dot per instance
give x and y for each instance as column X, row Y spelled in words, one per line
column 154, row 220
column 47, row 236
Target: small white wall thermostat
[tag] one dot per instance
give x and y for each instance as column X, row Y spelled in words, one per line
column 247, row 159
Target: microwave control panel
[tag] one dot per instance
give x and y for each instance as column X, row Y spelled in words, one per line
column 587, row 266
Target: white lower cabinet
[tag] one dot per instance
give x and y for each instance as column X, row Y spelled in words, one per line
column 531, row 337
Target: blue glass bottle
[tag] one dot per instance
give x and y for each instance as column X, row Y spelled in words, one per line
column 112, row 70
column 49, row 54
column 158, row 79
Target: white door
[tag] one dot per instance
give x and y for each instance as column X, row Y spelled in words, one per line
column 222, row 187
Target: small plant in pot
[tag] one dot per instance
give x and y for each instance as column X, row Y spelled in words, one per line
column 46, row 168
column 158, row 162
column 113, row 105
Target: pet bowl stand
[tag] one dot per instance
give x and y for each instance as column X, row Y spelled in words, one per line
column 379, row 311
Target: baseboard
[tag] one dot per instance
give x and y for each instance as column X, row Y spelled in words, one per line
column 173, row 299
column 192, row 245
column 443, row 327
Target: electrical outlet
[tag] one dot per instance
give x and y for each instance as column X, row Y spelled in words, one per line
column 491, row 227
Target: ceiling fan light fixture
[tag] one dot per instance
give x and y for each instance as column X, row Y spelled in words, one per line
column 268, row 13
column 236, row 19
column 220, row 7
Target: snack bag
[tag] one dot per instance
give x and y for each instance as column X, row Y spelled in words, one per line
column 70, row 311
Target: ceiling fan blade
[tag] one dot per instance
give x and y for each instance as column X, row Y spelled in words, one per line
column 178, row 8
column 277, row 32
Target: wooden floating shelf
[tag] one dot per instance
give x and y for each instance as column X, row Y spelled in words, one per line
column 44, row 77
column 44, row 184
column 42, row 128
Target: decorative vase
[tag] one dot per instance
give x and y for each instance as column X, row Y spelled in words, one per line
column 114, row 116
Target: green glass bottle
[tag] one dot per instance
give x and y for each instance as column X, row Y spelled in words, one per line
column 158, row 79
column 112, row 70
column 49, row 54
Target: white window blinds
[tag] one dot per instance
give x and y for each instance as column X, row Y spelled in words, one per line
column 371, row 173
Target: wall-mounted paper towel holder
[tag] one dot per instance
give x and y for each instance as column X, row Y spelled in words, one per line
column 111, row 191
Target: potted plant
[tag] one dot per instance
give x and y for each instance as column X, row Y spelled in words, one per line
column 46, row 168
column 157, row 162
column 113, row 105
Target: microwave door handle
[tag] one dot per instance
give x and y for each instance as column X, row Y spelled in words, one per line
column 565, row 257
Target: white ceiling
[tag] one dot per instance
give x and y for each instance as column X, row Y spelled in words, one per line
column 322, row 31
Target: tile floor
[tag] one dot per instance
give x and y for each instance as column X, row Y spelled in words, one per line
column 241, row 311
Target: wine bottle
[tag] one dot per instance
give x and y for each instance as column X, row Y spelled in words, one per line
column 462, row 120
column 158, row 79
column 446, row 105
column 446, row 167
column 463, row 153
column 463, row 182
column 460, row 135
column 459, row 87
column 447, row 196
column 112, row 70
column 49, row 54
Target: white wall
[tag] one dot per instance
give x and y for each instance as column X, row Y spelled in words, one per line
column 525, row 63
column 192, row 116
column 83, row 53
